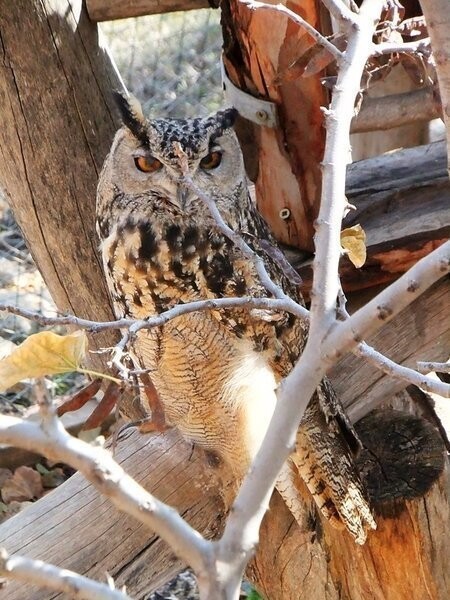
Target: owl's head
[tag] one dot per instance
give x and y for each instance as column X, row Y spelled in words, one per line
column 143, row 156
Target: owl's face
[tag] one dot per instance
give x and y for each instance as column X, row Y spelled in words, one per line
column 143, row 158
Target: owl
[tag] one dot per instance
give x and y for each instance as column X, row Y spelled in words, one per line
column 215, row 371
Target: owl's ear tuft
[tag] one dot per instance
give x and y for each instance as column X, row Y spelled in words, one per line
column 227, row 117
column 132, row 116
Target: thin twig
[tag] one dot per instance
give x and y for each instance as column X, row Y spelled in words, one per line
column 421, row 46
column 400, row 372
column 60, row 580
column 437, row 367
column 134, row 325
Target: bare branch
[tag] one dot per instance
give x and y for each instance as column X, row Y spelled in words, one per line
column 343, row 15
column 60, row 580
column 52, row 441
column 346, row 334
column 400, row 372
column 420, row 46
column 337, row 154
column 276, row 304
column 241, row 530
column 280, row 8
column 437, row 367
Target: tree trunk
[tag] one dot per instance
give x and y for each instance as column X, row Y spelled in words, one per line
column 260, row 49
column 56, row 129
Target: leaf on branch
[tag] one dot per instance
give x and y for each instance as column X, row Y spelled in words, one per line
column 44, row 353
column 353, row 240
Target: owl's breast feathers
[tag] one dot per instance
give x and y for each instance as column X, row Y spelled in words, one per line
column 153, row 266
column 156, row 261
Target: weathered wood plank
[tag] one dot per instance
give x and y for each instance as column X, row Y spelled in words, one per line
column 109, row 10
column 395, row 110
column 402, row 201
column 290, row 563
column 57, row 124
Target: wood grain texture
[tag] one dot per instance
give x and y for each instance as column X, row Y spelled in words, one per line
column 56, row 128
column 259, row 49
column 394, row 110
column 290, row 564
column 401, row 202
column 109, row 10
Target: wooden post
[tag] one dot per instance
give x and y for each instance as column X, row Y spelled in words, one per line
column 56, row 128
column 260, row 47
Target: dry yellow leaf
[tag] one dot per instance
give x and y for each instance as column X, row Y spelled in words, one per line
column 353, row 240
column 43, row 353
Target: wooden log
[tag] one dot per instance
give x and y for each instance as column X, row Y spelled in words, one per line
column 259, row 49
column 57, row 124
column 401, row 202
column 109, row 10
column 290, row 563
column 394, row 110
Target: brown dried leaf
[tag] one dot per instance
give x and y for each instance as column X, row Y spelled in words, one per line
column 5, row 474
column 25, row 484
column 53, row 478
column 353, row 239
column 7, row 511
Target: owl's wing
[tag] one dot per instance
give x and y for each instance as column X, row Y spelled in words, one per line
column 326, row 440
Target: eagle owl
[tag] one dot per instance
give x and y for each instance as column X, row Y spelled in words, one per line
column 215, row 371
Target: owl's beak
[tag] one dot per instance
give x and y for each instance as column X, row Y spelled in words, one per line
column 182, row 195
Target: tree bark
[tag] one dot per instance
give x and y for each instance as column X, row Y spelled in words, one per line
column 77, row 529
column 108, row 10
column 260, row 47
column 57, row 125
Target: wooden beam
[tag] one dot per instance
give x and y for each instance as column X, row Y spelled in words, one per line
column 394, row 110
column 401, row 201
column 110, row 10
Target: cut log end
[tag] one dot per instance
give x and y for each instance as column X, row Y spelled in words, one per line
column 403, row 456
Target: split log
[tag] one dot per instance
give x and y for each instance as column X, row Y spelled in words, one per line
column 109, row 10
column 312, row 564
column 260, row 48
column 401, row 202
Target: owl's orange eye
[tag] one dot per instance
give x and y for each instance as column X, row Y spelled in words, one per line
column 147, row 164
column 211, row 160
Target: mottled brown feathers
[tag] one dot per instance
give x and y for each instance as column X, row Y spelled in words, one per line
column 216, row 371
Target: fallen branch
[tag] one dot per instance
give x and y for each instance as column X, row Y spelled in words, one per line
column 60, row 580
